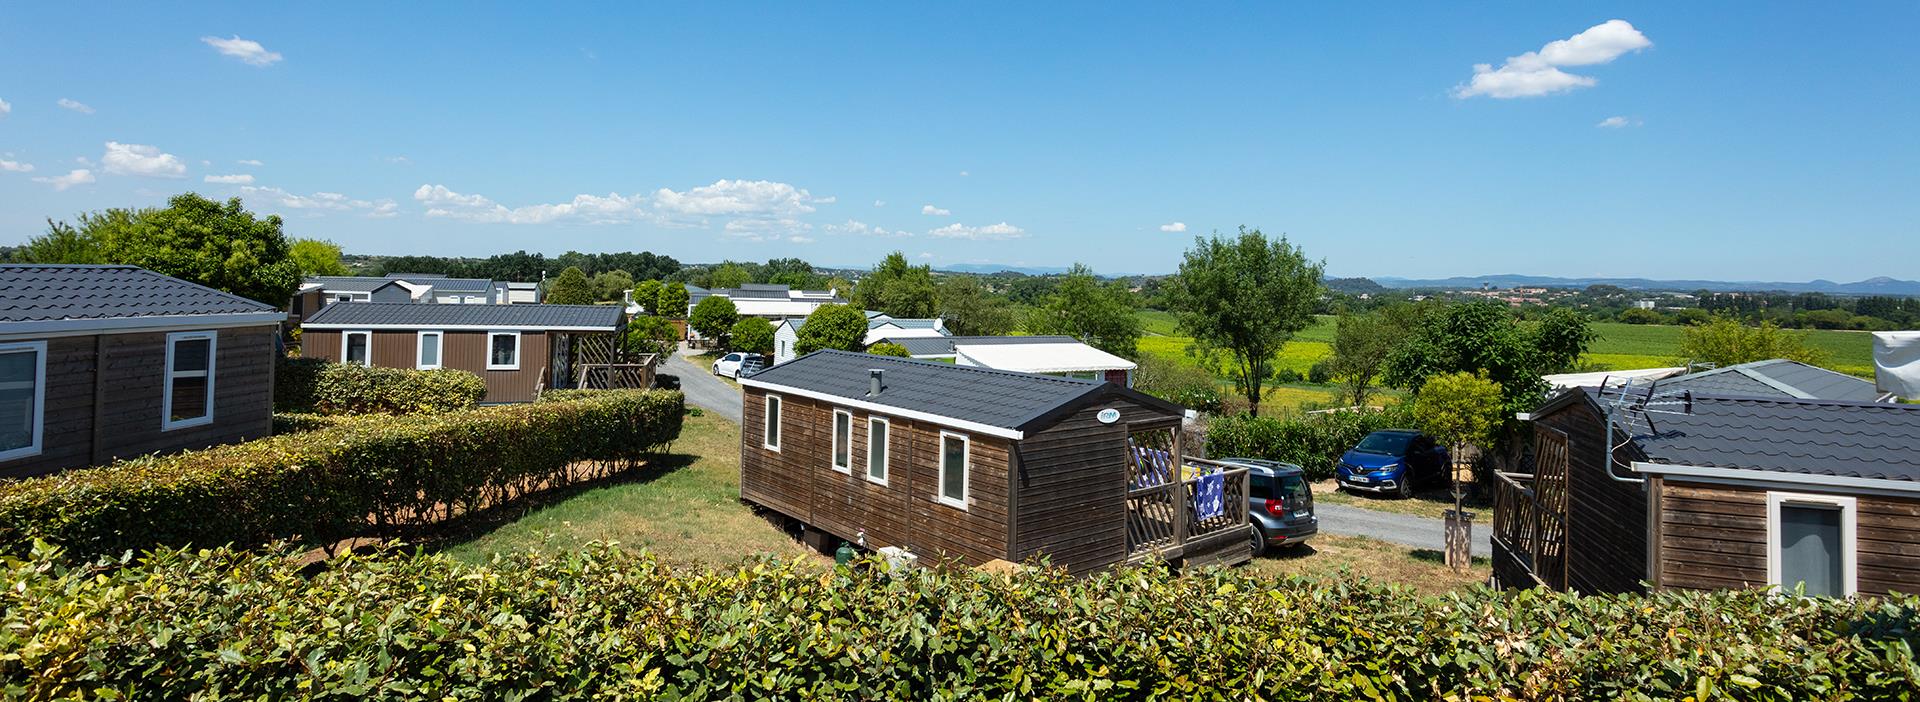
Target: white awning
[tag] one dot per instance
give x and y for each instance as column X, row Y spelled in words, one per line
column 1040, row 358
column 1563, row 381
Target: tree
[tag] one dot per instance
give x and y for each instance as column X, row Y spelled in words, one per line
column 1459, row 409
column 571, row 287
column 714, row 317
column 646, row 293
column 791, row 272
column 1100, row 315
column 61, row 244
column 651, row 335
column 1725, row 342
column 672, row 301
column 1245, row 298
column 970, row 310
column 888, row 348
column 897, row 288
column 839, row 327
column 752, row 335
column 219, row 245
column 1560, row 338
column 1361, row 345
column 317, row 257
column 611, row 285
column 729, row 275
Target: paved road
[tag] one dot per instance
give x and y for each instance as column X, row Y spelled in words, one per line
column 705, row 391
column 1403, row 529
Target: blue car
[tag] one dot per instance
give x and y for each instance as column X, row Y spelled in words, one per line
column 1393, row 462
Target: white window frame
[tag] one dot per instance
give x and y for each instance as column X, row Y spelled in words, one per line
column 886, row 450
column 966, row 470
column 39, row 350
column 167, row 422
column 347, row 337
column 833, row 459
column 775, row 409
column 420, row 348
column 516, row 351
column 1849, row 528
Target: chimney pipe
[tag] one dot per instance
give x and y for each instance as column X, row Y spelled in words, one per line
column 873, row 382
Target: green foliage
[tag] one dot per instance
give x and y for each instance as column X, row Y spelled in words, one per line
column 752, row 335
column 62, row 244
column 713, row 317
column 221, row 246
column 317, row 257
column 728, row 275
column 672, row 302
column 320, row 486
column 1245, row 298
column 1362, row 342
column 1559, row 338
column 888, row 348
column 832, row 327
column 1081, row 307
column 611, row 285
column 646, row 293
column 897, row 288
column 1459, row 409
column 1313, row 442
column 653, row 335
column 317, row 386
column 1635, row 315
column 1176, row 382
column 571, row 287
column 296, row 383
column 603, row 623
column 1725, row 342
column 971, row 310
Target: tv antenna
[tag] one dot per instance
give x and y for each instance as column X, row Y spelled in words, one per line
column 1633, row 404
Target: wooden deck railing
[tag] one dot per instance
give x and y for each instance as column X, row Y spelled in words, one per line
column 1163, row 512
column 608, row 376
column 1529, row 538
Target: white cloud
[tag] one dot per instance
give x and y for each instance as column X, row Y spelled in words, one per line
column 141, row 160
column 250, row 162
column 247, row 50
column 12, row 166
column 925, row 254
column 75, row 105
column 324, row 201
column 400, row 160
column 879, row 203
column 854, row 226
column 75, row 177
column 750, row 198
column 1617, row 122
column 586, row 209
column 384, row 209
column 1174, row 227
column 964, row 174
column 1538, row 72
column 5, row 107
column 991, row 232
column 798, row 239
column 236, row 179
column 935, row 211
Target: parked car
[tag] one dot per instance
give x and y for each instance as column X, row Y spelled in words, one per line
column 734, row 365
column 1279, row 503
column 1392, row 461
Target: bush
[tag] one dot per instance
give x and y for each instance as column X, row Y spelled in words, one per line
column 1320, row 373
column 604, row 624
column 1288, row 375
column 379, row 476
column 1314, row 442
column 1177, row 382
column 303, row 385
column 888, row 348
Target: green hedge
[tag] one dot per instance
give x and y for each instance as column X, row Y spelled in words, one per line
column 303, row 385
column 601, row 624
column 377, row 476
column 1314, row 442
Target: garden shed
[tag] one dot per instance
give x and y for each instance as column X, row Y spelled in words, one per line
column 977, row 464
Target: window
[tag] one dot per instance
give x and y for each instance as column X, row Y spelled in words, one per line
column 1810, row 543
column 356, row 347
column 23, row 398
column 428, row 351
column 953, row 469
column 188, row 396
column 877, row 432
column 843, row 441
column 503, row 350
column 772, row 438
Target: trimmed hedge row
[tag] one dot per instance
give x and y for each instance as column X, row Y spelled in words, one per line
column 377, row 476
column 313, row 385
column 1314, row 442
column 601, row 623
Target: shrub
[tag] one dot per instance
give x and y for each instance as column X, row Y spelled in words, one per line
column 1320, row 373
column 377, row 476
column 888, row 348
column 604, row 624
column 316, row 386
column 1314, row 442
column 1176, row 382
column 296, row 383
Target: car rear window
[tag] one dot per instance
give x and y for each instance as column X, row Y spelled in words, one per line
column 1260, row 487
column 1294, row 486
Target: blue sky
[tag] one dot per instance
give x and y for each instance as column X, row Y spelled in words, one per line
column 1753, row 141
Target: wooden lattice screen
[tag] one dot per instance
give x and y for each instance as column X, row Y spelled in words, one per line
column 1153, row 473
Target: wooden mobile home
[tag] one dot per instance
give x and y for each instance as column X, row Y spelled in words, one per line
column 518, row 349
column 975, row 464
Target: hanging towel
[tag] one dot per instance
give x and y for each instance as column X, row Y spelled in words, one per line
column 1210, row 496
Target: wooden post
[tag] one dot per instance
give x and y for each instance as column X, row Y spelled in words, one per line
column 1459, row 528
column 1176, row 475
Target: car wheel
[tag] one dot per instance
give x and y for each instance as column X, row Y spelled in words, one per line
column 1259, row 542
column 1405, row 491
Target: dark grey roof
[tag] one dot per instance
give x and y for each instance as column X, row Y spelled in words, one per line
column 1777, row 378
column 943, row 345
column 37, row 293
column 347, row 283
column 992, row 397
column 440, row 283
column 430, row 315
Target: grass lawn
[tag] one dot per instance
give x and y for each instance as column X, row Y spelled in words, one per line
column 1432, row 503
column 1423, row 569
column 1627, row 346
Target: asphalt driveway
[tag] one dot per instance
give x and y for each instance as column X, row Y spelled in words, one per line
column 703, row 390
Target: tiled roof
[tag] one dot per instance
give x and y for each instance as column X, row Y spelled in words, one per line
column 1776, row 378
column 440, row 283
column 39, row 293
column 943, row 345
column 1787, row 435
column 428, row 316
column 980, row 395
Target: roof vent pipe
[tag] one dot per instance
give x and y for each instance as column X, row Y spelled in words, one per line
column 873, row 382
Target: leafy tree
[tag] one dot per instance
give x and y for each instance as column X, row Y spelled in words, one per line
column 1245, row 298
column 651, row 335
column 1460, row 409
column 714, row 317
column 1635, row 315
column 1725, row 342
column 1560, row 338
column 611, row 285
column 888, row 348
column 646, row 293
column 64, row 244
column 841, row 327
column 1177, row 382
column 317, row 257
column 729, row 275
column 791, row 272
column 221, row 246
column 752, row 335
column 1362, row 342
column 897, row 288
column 1100, row 315
column 672, row 301
column 971, row 310
column 571, row 287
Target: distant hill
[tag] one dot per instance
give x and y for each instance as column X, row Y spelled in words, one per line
column 990, row 268
column 1354, row 286
column 1870, row 286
